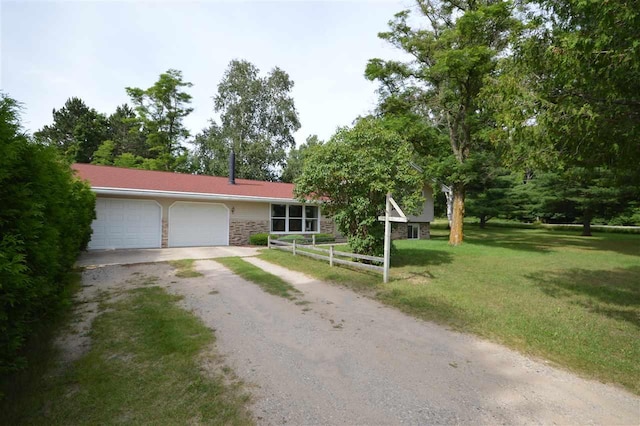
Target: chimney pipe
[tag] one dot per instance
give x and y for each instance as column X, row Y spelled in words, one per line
column 232, row 168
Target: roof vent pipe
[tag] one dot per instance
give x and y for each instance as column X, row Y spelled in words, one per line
column 232, row 168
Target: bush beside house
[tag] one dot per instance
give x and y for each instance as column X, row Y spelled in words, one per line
column 262, row 238
column 259, row 239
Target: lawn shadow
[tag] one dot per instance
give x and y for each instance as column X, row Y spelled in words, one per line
column 545, row 241
column 614, row 293
column 420, row 257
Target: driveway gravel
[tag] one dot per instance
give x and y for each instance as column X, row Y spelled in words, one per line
column 334, row 357
column 346, row 359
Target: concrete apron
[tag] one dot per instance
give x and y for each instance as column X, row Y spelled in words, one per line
column 133, row 256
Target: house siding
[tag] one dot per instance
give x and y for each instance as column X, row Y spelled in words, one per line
column 245, row 218
column 399, row 231
column 241, row 230
column 426, row 215
column 327, row 226
column 165, row 232
column 425, row 231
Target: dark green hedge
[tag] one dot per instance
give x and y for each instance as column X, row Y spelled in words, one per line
column 325, row 238
column 45, row 220
column 291, row 238
column 258, row 239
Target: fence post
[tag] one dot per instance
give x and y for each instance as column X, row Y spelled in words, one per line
column 313, row 240
column 268, row 241
column 294, row 247
column 331, row 255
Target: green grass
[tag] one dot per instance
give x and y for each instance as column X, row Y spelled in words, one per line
column 363, row 281
column 553, row 294
column 268, row 282
column 185, row 268
column 143, row 368
column 337, row 248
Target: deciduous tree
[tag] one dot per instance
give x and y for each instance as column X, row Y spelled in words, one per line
column 586, row 60
column 570, row 100
column 258, row 119
column 351, row 175
column 161, row 109
column 296, row 157
column 210, row 154
column 454, row 48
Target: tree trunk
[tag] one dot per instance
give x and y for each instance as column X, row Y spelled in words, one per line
column 586, row 224
column 456, row 234
column 483, row 222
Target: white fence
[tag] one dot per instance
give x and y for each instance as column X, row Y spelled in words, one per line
column 332, row 255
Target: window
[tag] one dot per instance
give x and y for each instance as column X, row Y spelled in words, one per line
column 294, row 218
column 413, row 232
column 278, row 217
column 311, row 219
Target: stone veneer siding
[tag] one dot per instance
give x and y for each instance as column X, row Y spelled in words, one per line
column 165, row 234
column 425, row 231
column 399, row 231
column 327, row 226
column 240, row 230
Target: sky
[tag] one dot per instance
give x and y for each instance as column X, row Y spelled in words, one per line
column 53, row 50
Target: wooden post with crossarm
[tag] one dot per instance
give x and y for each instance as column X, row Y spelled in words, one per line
column 387, row 219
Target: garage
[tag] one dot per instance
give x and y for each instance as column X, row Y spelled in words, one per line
column 122, row 223
column 198, row 224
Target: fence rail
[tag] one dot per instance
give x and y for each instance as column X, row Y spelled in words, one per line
column 332, row 258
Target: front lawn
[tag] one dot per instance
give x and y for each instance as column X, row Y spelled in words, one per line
column 570, row 299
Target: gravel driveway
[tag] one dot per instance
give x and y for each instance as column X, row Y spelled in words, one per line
column 346, row 359
column 341, row 358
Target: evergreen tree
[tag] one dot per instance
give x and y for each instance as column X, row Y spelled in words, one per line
column 77, row 131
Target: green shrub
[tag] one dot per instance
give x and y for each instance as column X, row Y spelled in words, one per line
column 325, row 238
column 292, row 238
column 258, row 239
column 320, row 238
column 45, row 220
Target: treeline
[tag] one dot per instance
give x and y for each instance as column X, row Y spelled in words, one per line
column 45, row 220
column 257, row 120
column 578, row 195
column 546, row 89
column 526, row 110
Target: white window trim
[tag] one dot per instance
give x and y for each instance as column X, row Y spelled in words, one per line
column 286, row 219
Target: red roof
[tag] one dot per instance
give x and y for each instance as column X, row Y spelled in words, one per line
column 121, row 178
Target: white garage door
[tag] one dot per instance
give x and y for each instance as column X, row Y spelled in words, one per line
column 126, row 224
column 198, row 224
